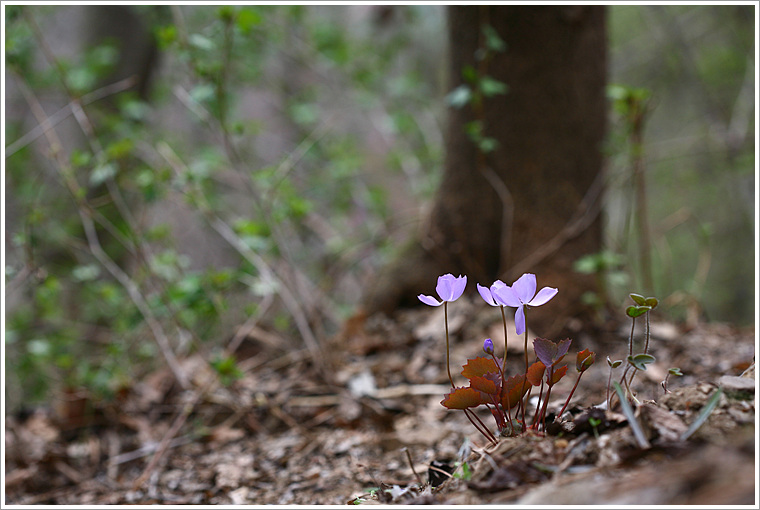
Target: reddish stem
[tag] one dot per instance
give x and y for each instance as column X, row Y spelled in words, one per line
column 571, row 394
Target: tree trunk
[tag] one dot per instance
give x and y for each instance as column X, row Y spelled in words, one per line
column 518, row 208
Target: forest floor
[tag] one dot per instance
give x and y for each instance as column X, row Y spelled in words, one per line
column 281, row 435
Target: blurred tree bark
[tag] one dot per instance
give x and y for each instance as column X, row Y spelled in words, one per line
column 530, row 204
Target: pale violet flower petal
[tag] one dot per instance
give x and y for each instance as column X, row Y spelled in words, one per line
column 444, row 287
column 429, row 300
column 497, row 284
column 543, row 296
column 506, row 296
column 525, row 287
column 485, row 293
column 457, row 287
column 520, row 320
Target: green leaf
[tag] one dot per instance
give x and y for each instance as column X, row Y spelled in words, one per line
column 638, row 433
column 636, row 311
column 102, row 173
column 491, row 87
column 201, row 42
column 460, row 96
column 614, row 364
column 494, row 42
column 703, row 415
column 640, row 361
column 638, row 299
column 247, row 18
column 675, row 371
column 652, row 302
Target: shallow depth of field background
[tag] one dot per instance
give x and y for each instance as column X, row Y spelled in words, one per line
column 285, row 152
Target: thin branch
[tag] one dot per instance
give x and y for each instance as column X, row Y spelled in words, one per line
column 97, row 251
column 64, row 113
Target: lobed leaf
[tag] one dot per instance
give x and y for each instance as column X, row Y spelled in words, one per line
column 463, row 398
column 557, row 375
column 479, row 367
column 550, row 353
column 514, row 390
column 536, row 373
column 562, row 347
column 545, row 350
column 487, row 384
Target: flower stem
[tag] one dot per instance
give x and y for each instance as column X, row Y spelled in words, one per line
column 524, row 403
column 481, row 428
column 571, row 394
column 609, row 382
column 504, row 321
column 646, row 346
column 446, row 320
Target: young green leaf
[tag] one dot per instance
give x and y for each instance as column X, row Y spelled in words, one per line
column 640, row 361
column 638, row 299
column 636, row 311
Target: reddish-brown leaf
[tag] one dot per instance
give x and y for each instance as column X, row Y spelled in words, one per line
column 479, row 367
column 558, row 374
column 515, row 389
column 462, row 398
column 486, row 384
column 536, row 373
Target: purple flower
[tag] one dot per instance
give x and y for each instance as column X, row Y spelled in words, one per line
column 523, row 293
column 449, row 288
column 489, row 295
column 488, row 346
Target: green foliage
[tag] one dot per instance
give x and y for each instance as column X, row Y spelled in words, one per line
column 696, row 62
column 283, row 201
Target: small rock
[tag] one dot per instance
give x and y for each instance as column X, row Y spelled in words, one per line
column 737, row 386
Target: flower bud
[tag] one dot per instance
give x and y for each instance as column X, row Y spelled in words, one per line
column 488, row 346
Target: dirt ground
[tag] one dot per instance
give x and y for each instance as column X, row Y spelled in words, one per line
column 378, row 433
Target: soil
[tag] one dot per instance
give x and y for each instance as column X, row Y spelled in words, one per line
column 377, row 433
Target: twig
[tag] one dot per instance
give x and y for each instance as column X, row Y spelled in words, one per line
column 264, row 270
column 85, row 215
column 122, row 458
column 411, row 465
column 62, row 114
